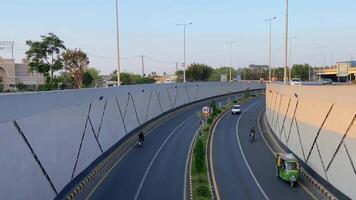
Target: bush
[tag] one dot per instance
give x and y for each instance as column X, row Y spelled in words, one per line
column 200, row 156
column 235, row 101
column 210, row 120
column 203, row 191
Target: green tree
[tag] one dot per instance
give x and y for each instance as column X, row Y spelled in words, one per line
column 131, row 79
column 91, row 77
column 45, row 56
column 180, row 74
column 216, row 75
column 76, row 62
column 301, row 71
column 198, row 72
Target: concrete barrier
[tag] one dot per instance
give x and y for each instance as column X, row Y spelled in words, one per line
column 48, row 138
column 318, row 124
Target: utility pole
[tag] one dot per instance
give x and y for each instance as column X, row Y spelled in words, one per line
column 118, row 43
column 185, row 62
column 231, row 43
column 286, row 46
column 270, row 46
column 143, row 66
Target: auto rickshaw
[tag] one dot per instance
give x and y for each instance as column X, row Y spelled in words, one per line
column 287, row 168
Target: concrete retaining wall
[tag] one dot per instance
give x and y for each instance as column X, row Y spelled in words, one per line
column 318, row 123
column 47, row 139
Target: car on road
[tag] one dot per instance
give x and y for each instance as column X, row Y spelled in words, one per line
column 295, row 81
column 327, row 81
column 236, row 109
column 287, row 168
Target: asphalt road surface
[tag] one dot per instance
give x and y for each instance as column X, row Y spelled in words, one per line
column 245, row 170
column 157, row 170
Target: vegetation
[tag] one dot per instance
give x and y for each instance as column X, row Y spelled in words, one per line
column 76, row 62
column 91, row 77
column 45, row 56
column 131, row 79
column 200, row 182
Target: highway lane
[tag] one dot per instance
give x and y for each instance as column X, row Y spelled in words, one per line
column 157, row 170
column 255, row 178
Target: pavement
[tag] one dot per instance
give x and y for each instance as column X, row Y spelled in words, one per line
column 245, row 170
column 157, row 170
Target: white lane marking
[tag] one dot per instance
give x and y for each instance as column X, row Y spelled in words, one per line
column 211, row 150
column 186, row 172
column 124, row 155
column 156, row 154
column 270, row 148
column 243, row 154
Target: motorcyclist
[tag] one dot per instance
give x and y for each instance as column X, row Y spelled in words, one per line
column 141, row 137
column 252, row 133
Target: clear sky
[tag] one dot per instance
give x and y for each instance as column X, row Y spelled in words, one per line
column 148, row 27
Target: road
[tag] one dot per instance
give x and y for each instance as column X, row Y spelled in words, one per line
column 157, row 170
column 245, row 170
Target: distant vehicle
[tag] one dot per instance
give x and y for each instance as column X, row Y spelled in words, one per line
column 236, row 109
column 295, row 81
column 327, row 81
column 287, row 168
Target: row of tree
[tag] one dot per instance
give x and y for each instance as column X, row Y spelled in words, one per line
column 130, row 78
column 203, row 72
column 50, row 55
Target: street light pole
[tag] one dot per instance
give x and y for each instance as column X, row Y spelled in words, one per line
column 290, row 55
column 231, row 43
column 185, row 55
column 270, row 46
column 286, row 46
column 118, row 43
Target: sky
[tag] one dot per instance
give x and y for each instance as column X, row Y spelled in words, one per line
column 323, row 28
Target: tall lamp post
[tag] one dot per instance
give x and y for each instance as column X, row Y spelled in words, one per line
column 185, row 55
column 290, row 55
column 118, row 43
column 286, row 46
column 270, row 46
column 231, row 43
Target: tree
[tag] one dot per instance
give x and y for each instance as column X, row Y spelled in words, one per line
column 198, row 72
column 131, row 79
column 76, row 62
column 216, row 75
column 301, row 71
column 180, row 74
column 45, row 56
column 91, row 77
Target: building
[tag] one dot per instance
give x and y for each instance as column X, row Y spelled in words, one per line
column 166, row 79
column 344, row 71
column 14, row 74
column 258, row 67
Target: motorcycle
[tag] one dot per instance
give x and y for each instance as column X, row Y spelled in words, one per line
column 140, row 143
column 252, row 137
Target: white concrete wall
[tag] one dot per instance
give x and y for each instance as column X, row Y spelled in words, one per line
column 65, row 131
column 330, row 109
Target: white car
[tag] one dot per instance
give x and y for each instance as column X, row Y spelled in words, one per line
column 295, row 81
column 236, row 109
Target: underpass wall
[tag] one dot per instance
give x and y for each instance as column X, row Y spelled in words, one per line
column 48, row 138
column 318, row 124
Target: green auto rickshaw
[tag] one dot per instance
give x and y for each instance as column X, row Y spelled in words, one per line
column 287, row 168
